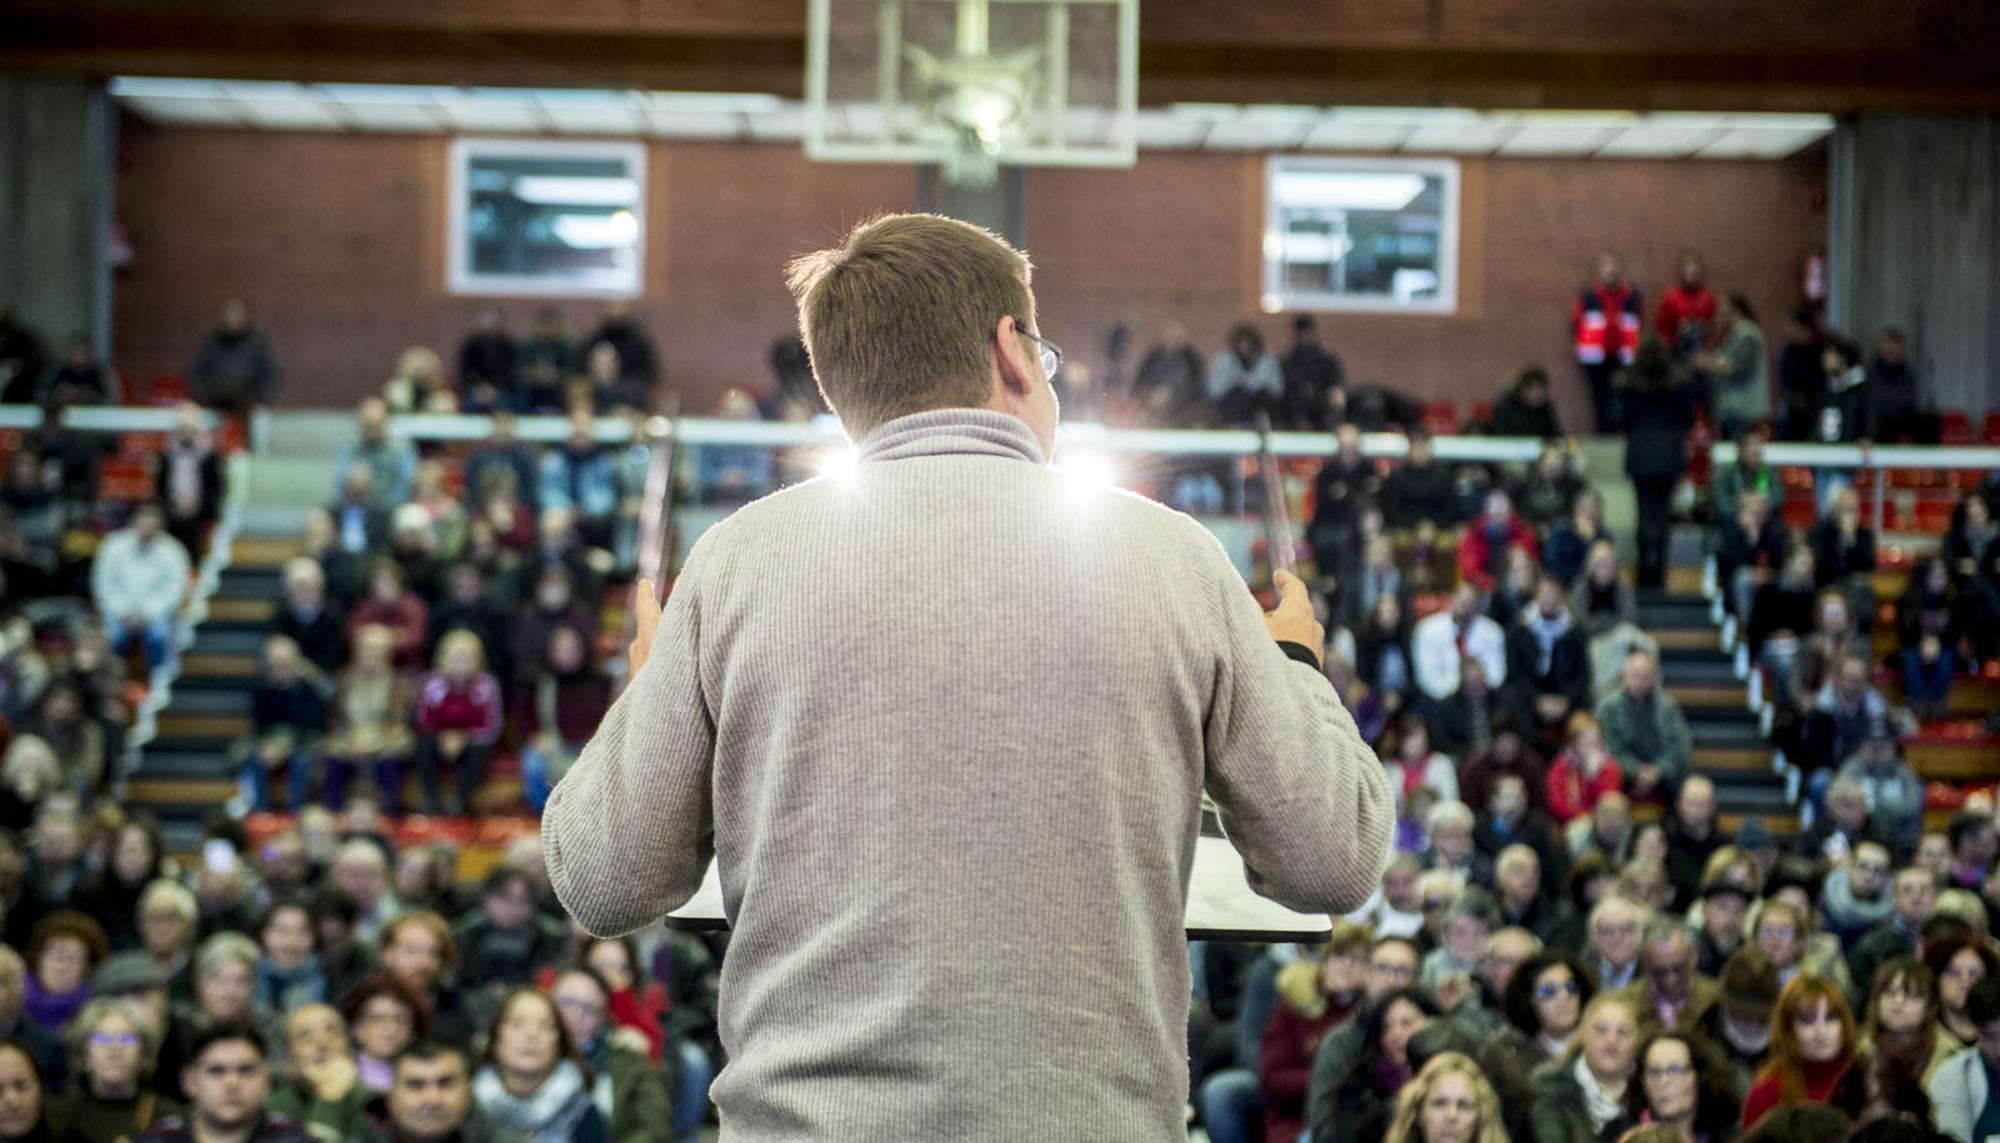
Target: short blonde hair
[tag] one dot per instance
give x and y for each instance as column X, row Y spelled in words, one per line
column 1407, row 1125
column 461, row 638
column 897, row 318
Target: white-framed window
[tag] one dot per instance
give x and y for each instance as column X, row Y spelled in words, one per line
column 1375, row 235
column 542, row 218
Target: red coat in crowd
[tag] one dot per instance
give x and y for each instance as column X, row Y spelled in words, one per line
column 406, row 618
column 1476, row 557
column 1680, row 304
column 471, row 706
column 1572, row 795
column 1606, row 318
column 1291, row 1040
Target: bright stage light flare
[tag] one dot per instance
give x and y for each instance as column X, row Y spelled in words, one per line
column 839, row 461
column 1088, row 471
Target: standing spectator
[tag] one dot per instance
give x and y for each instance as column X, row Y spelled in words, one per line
column 308, row 619
column 1844, row 412
column 1645, row 730
column 419, row 385
column 1314, row 380
column 1739, row 370
column 1171, row 388
column 391, row 464
column 486, row 377
column 457, row 718
column 1801, row 374
column 1687, row 309
column 1746, row 475
column 1525, row 410
column 21, row 360
column 1483, row 547
column 638, row 365
column 80, row 379
column 1606, row 322
column 1659, row 411
column 547, row 359
column 1579, row 1097
column 532, row 1081
column 73, row 457
column 1898, row 397
column 1928, row 630
column 138, row 579
column 1812, row 1046
column 189, row 482
column 1344, row 487
column 1244, row 377
column 235, row 371
column 370, row 728
column 1420, row 489
column 1462, row 630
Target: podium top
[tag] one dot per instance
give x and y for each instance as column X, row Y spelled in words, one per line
column 1220, row 904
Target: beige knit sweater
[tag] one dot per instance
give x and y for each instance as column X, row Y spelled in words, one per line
column 945, row 724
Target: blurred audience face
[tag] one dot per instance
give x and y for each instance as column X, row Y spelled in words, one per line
column 132, row 855
column 1901, row 1008
column 1451, row 1109
column 1391, row 965
column 1695, row 806
column 1399, row 886
column 359, row 873
column 64, row 965
column 1934, row 854
column 414, row 956
column 13, row 985
column 1868, row 870
column 1614, row 932
column 1779, row 936
column 1961, row 972
column 226, row 1085
column 288, row 936
column 1518, row 875
column 223, row 992
column 1670, row 1081
column 1819, row 1034
column 1343, row 973
column 1466, row 938
column 583, row 1005
column 1610, row 1037
column 1402, row 1021
column 1639, row 676
column 383, row 1027
column 526, row 1042
column 429, row 1099
column 1670, row 968
column 235, row 315
column 1915, row 896
column 112, row 1056
column 1504, row 954
column 314, row 1034
column 372, row 418
column 20, row 1093
column 1722, row 918
column 1558, row 1000
column 612, row 961
column 1607, row 268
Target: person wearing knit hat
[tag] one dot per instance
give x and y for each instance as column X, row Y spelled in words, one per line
column 1725, row 910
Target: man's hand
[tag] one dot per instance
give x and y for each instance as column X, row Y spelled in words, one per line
column 1292, row 621
column 645, row 621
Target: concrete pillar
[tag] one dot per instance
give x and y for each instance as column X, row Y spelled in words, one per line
column 1914, row 242
column 56, row 206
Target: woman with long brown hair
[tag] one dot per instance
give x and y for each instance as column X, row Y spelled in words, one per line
column 1901, row 1027
column 1812, row 1046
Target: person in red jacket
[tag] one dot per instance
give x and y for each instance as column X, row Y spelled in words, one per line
column 1606, row 324
column 1584, row 772
column 1313, row 1000
column 1687, row 309
column 1483, row 546
column 391, row 604
column 1812, row 1046
column 457, row 718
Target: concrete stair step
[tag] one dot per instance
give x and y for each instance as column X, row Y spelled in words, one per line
column 1710, row 671
column 262, row 551
column 1699, row 696
column 209, row 701
column 228, row 641
column 1732, row 760
column 204, row 665
column 226, row 726
column 1687, row 639
column 167, row 762
column 1678, row 612
column 207, row 794
column 229, row 609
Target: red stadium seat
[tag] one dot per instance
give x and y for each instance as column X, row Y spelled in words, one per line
column 1440, row 418
column 1989, row 430
column 167, row 389
column 1954, row 427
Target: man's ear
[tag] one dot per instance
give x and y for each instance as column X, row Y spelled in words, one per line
column 1017, row 375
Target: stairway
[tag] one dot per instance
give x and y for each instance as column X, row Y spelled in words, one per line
column 1729, row 746
column 184, row 775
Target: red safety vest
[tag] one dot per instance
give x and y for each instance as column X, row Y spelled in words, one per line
column 1597, row 339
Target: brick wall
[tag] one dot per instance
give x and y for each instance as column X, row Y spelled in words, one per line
column 337, row 242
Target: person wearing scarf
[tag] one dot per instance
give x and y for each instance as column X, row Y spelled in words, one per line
column 1580, row 1096
column 1812, row 1046
column 532, row 1080
column 629, row 1094
column 64, row 950
column 289, row 974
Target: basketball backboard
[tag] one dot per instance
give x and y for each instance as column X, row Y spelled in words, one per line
column 973, row 84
